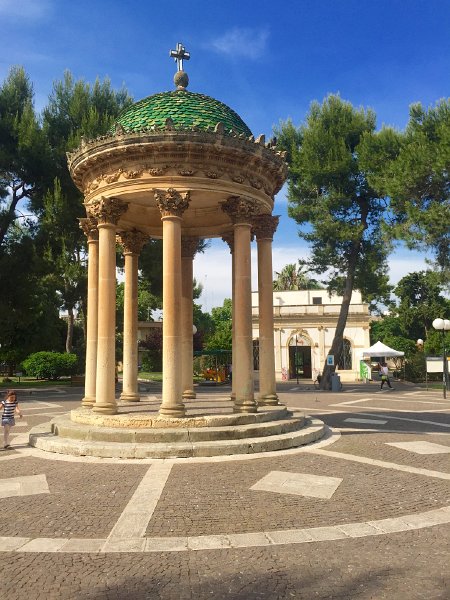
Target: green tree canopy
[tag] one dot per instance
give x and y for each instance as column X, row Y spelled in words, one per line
column 338, row 211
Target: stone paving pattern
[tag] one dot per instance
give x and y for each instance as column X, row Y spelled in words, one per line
column 87, row 498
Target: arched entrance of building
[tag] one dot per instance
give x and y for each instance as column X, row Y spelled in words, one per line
column 300, row 364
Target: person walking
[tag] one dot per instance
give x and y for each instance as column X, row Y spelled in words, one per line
column 384, row 372
column 10, row 406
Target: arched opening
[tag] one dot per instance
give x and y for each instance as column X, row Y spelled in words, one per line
column 345, row 357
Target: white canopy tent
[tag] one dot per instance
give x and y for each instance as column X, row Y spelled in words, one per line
column 381, row 350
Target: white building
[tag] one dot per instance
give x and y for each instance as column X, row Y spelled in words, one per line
column 304, row 326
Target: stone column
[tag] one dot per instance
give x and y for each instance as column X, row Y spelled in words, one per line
column 89, row 226
column 132, row 243
column 229, row 239
column 107, row 211
column 264, row 227
column 172, row 205
column 241, row 211
column 189, row 246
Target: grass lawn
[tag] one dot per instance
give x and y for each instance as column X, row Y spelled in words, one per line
column 30, row 382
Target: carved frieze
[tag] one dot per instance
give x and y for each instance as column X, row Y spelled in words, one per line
column 106, row 210
column 171, row 202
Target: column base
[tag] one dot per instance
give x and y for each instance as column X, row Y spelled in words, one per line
column 105, row 409
column 233, row 396
column 130, row 397
column 245, row 406
column 173, row 411
column 269, row 400
column 88, row 402
column 189, row 395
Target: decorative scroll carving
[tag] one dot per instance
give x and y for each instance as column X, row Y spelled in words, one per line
column 240, row 209
column 228, row 238
column 132, row 174
column 132, row 241
column 155, row 171
column 255, row 182
column 189, row 246
column 171, row 202
column 113, row 176
column 106, row 210
column 237, row 178
column 186, row 171
column 89, row 227
column 264, row 226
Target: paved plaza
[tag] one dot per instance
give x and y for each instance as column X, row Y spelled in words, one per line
column 363, row 513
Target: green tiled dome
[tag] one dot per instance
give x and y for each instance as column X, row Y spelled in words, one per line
column 187, row 110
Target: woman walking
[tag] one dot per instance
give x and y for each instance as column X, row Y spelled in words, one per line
column 10, row 406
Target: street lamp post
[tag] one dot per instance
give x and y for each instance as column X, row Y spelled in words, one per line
column 443, row 325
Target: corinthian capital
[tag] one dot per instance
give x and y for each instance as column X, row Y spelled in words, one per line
column 264, row 226
column 132, row 241
column 106, row 210
column 171, row 202
column 240, row 209
column 89, row 227
column 189, row 246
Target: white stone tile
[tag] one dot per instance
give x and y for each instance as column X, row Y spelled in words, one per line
column 289, row 536
column 321, row 534
column 368, row 421
column 83, row 545
column 421, row 447
column 359, row 529
column 390, row 525
column 300, row 484
column 124, row 545
column 208, row 542
column 169, row 544
column 8, row 544
column 248, row 540
column 44, row 545
column 26, row 485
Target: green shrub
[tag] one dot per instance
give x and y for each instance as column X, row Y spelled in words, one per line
column 50, row 365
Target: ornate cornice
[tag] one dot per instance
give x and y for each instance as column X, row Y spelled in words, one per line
column 89, row 227
column 132, row 241
column 240, row 209
column 106, row 210
column 264, row 226
column 171, row 202
column 186, row 154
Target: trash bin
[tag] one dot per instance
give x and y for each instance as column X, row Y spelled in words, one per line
column 335, row 382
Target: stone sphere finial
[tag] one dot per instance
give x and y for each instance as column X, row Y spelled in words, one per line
column 181, row 80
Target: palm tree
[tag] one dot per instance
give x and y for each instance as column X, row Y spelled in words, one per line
column 292, row 277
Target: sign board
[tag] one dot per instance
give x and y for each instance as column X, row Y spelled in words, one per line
column 435, row 364
column 330, row 360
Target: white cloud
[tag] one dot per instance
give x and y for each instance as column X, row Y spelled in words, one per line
column 26, row 9
column 242, row 42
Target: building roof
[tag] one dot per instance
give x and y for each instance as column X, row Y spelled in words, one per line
column 186, row 110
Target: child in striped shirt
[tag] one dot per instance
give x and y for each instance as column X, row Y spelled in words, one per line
column 10, row 406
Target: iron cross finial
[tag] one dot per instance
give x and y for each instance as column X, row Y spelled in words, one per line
column 179, row 55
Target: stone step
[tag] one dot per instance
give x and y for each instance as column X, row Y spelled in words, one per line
column 64, row 427
column 43, row 438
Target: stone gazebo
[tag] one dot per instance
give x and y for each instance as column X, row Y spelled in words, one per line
column 177, row 166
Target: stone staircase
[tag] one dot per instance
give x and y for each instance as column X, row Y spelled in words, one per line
column 272, row 428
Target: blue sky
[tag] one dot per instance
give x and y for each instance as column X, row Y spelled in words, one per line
column 266, row 59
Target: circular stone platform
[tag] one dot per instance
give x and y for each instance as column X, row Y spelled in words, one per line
column 133, row 434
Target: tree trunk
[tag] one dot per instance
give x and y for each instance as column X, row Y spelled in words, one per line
column 10, row 213
column 69, row 336
column 336, row 346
